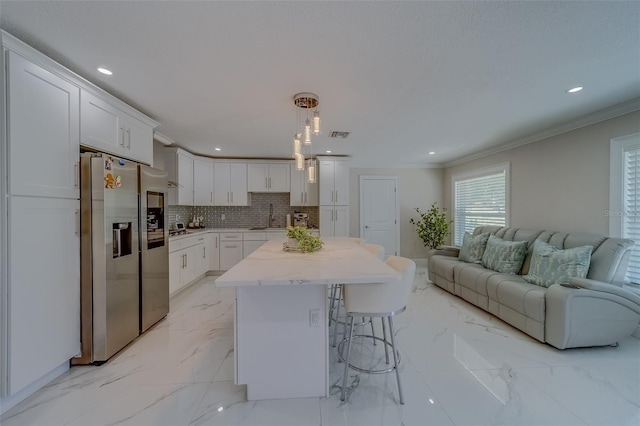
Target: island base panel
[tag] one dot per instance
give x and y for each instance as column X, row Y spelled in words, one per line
column 279, row 352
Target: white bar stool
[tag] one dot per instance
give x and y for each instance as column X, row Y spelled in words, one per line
column 335, row 290
column 378, row 300
column 376, row 250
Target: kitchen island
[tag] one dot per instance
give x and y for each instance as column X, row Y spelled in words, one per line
column 281, row 332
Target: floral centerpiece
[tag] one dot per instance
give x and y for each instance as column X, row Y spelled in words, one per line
column 301, row 239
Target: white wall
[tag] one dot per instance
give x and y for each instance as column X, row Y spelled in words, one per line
column 560, row 183
column 158, row 155
column 416, row 188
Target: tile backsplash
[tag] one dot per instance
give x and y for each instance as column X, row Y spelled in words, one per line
column 257, row 214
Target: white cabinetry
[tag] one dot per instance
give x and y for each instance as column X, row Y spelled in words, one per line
column 269, row 177
column 107, row 128
column 214, row 251
column 231, row 251
column 334, row 221
column 334, row 182
column 334, row 198
column 44, row 287
column 188, row 260
column 202, row 181
column 251, row 241
column 303, row 193
column 43, row 119
column 230, row 184
column 179, row 166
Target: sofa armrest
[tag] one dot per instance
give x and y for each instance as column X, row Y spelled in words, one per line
column 589, row 313
column 451, row 251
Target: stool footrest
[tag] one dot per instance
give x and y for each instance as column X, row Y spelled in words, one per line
column 366, row 370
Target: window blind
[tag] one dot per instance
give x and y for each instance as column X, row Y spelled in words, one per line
column 630, row 219
column 480, row 200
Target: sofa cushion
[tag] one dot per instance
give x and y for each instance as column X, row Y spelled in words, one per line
column 550, row 265
column 443, row 266
column 523, row 298
column 473, row 247
column 504, row 256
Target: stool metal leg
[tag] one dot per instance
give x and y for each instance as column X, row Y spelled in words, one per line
column 384, row 338
column 346, row 362
column 332, row 303
column 395, row 358
column 335, row 325
column 373, row 333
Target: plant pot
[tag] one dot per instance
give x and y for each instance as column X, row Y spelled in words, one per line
column 292, row 243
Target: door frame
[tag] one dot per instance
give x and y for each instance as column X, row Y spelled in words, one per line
column 394, row 178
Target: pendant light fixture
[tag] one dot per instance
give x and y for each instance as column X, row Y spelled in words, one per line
column 307, row 101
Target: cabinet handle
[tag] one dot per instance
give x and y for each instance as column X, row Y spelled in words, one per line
column 216, row 242
column 75, row 175
column 183, row 260
column 77, row 219
column 231, row 197
column 122, row 134
column 305, row 198
column 269, row 183
column 228, row 197
column 266, row 182
column 336, row 196
column 186, row 260
column 332, row 191
column 129, row 139
column 230, row 246
column 204, row 252
column 211, row 196
column 302, row 197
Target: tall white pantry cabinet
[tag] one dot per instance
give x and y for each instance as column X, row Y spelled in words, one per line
column 43, row 130
column 41, row 269
column 334, row 197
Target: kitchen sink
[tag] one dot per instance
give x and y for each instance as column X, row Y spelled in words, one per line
column 258, row 228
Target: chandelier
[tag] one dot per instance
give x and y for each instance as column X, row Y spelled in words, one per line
column 302, row 139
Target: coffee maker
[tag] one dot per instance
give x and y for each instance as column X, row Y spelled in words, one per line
column 300, row 219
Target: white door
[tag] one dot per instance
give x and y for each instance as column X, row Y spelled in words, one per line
column 43, row 132
column 202, row 182
column 44, row 286
column 379, row 212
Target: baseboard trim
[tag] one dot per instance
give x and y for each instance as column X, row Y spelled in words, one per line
column 8, row 402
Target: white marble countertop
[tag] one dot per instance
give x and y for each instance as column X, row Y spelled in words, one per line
column 340, row 261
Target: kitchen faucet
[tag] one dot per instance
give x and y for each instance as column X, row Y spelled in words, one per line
column 271, row 217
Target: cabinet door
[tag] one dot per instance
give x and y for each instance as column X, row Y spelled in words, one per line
column 296, row 196
column 221, row 184
column 279, row 177
column 214, row 252
column 43, row 113
column 185, row 179
column 326, row 220
column 101, row 126
column 202, row 182
column 326, row 180
column 203, row 255
column 176, row 264
column 258, row 177
column 238, row 187
column 341, row 183
column 43, row 287
column 230, row 254
column 311, row 194
column 341, row 221
column 138, row 139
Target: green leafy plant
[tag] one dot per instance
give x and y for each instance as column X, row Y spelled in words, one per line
column 432, row 226
column 306, row 242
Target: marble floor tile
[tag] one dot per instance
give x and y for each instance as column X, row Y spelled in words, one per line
column 460, row 366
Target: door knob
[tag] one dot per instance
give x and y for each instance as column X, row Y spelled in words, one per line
column 366, row 227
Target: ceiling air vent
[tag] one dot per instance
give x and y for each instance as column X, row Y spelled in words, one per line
column 335, row 134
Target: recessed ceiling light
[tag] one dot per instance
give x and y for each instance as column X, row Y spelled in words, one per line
column 328, row 152
column 218, row 149
column 432, row 152
column 105, row 71
column 575, row 89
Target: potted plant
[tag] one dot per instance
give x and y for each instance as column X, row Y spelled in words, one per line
column 432, row 226
column 301, row 239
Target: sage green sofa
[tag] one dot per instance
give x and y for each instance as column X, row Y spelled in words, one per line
column 593, row 311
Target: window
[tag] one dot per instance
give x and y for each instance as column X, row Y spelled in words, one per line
column 480, row 197
column 624, row 212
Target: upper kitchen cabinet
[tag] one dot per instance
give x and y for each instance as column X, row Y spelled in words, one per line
column 303, row 193
column 202, row 181
column 269, row 177
column 107, row 128
column 43, row 131
column 230, row 184
column 334, row 182
column 179, row 165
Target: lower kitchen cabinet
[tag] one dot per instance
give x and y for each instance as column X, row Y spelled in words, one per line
column 187, row 261
column 334, row 221
column 231, row 253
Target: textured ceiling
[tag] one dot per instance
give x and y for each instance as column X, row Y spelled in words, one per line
column 404, row 78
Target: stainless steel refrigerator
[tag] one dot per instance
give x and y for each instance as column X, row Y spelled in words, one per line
column 122, row 271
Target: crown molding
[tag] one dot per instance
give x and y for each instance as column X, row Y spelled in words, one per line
column 586, row 120
column 163, row 139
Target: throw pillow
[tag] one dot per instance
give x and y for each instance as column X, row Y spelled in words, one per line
column 550, row 265
column 504, row 256
column 473, row 247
